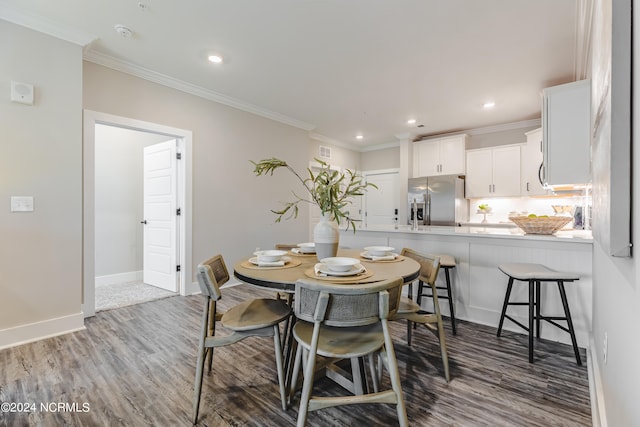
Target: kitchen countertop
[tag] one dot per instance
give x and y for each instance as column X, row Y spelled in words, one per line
column 479, row 230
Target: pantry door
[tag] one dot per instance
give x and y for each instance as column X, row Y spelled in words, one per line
column 382, row 204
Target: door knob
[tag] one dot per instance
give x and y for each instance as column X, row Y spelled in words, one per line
column 143, row 221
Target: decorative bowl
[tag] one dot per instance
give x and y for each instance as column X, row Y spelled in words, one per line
column 340, row 263
column 540, row 225
column 271, row 255
column 379, row 250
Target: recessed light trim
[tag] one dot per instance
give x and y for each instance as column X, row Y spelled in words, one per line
column 411, row 121
column 216, row 59
column 123, row 31
column 489, row 104
column 359, row 136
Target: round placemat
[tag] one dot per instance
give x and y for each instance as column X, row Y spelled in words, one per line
column 358, row 278
column 290, row 264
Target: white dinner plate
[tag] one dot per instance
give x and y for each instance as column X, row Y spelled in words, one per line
column 324, row 269
column 367, row 255
column 255, row 261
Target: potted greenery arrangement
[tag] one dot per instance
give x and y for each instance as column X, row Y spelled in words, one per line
column 330, row 190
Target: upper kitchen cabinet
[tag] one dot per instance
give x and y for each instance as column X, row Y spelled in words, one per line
column 566, row 124
column 531, row 165
column 493, row 172
column 440, row 156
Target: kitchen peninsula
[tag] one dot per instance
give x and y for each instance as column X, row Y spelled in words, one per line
column 479, row 287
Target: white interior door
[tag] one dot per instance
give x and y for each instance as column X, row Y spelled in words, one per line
column 160, row 216
column 381, row 205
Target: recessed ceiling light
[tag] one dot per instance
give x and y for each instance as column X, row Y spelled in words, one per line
column 216, row 59
column 411, row 121
column 359, row 136
column 123, row 31
column 489, row 104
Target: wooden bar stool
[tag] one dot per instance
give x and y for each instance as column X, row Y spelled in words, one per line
column 535, row 274
column 447, row 262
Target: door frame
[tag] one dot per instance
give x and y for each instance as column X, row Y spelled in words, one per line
column 185, row 143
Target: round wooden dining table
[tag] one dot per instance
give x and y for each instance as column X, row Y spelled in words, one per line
column 301, row 266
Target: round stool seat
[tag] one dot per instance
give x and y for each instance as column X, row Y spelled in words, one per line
column 528, row 271
column 447, row 261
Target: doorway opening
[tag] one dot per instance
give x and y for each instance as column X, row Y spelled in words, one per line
column 137, row 211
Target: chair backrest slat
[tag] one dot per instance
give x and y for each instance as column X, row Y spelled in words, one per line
column 212, row 274
column 346, row 305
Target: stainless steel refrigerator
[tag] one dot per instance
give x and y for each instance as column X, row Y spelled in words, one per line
column 439, row 200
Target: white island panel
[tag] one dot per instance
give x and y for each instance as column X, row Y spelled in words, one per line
column 478, row 285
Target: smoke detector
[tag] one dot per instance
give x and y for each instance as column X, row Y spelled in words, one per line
column 123, row 31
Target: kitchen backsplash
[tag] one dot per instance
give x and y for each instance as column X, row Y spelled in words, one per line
column 502, row 208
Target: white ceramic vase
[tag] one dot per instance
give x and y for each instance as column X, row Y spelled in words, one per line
column 326, row 237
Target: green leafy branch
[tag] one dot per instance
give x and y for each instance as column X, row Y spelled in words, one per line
column 330, row 190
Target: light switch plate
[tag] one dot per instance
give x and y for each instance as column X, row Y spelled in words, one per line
column 21, row 204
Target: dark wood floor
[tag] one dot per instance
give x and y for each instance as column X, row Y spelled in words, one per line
column 135, row 366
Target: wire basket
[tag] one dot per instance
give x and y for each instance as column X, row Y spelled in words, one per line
column 540, row 225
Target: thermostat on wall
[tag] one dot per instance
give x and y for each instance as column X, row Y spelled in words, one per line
column 22, row 92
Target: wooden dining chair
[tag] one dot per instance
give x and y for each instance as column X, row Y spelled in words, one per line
column 256, row 317
column 346, row 322
column 409, row 309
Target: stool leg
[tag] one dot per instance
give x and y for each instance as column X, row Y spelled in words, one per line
column 532, row 285
column 538, row 308
column 450, row 297
column 565, row 304
column 504, row 306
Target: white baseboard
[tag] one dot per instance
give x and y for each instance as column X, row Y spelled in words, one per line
column 130, row 276
column 193, row 288
column 598, row 412
column 23, row 334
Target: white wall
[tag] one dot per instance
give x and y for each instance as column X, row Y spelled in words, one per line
column 231, row 207
column 616, row 296
column 340, row 156
column 40, row 251
column 118, row 198
column 388, row 158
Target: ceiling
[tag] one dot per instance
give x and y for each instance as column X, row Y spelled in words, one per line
column 336, row 68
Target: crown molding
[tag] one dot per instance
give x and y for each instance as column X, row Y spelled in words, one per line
column 483, row 130
column 327, row 140
column 360, row 149
column 377, row 147
column 162, row 79
column 46, row 26
column 504, row 127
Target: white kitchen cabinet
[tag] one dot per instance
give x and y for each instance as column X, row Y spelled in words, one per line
column 566, row 124
column 440, row 156
column 531, row 165
column 493, row 172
